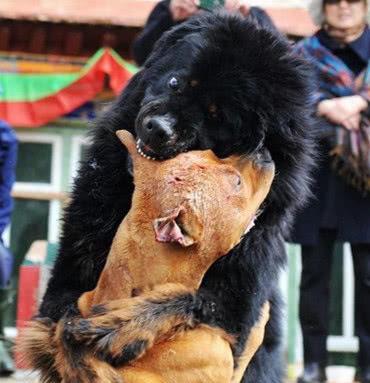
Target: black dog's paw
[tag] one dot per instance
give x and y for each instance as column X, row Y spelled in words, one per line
column 206, row 308
column 128, row 353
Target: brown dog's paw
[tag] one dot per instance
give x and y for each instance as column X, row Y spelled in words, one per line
column 87, row 370
column 123, row 330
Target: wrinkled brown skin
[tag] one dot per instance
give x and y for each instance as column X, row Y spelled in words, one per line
column 218, row 200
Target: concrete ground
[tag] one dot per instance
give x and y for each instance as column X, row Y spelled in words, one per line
column 21, row 377
column 26, row 378
column 336, row 374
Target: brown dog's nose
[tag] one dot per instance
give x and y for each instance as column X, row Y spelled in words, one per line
column 263, row 158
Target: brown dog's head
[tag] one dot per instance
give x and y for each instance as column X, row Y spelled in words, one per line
column 198, row 199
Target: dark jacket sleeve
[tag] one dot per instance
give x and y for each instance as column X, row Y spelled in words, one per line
column 8, row 159
column 159, row 21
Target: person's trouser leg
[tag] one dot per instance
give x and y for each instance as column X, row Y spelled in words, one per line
column 314, row 297
column 361, row 262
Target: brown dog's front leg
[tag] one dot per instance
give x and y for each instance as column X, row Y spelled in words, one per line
column 122, row 330
column 253, row 343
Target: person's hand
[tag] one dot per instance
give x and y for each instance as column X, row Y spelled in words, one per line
column 352, row 123
column 237, row 5
column 343, row 111
column 182, row 9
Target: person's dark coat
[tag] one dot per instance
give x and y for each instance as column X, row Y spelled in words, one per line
column 335, row 204
column 160, row 20
column 8, row 157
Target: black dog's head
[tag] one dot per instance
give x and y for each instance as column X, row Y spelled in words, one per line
column 221, row 82
column 214, row 82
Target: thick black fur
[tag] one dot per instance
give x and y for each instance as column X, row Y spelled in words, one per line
column 262, row 96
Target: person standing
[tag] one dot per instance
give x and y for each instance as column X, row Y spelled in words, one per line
column 8, row 158
column 168, row 13
column 340, row 56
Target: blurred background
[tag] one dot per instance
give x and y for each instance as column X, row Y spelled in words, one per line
column 61, row 63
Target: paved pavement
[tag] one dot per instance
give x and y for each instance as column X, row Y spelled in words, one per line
column 21, row 377
column 336, row 374
column 25, row 379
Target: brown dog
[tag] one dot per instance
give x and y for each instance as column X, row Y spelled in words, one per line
column 186, row 212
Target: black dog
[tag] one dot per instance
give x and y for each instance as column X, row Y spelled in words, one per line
column 218, row 82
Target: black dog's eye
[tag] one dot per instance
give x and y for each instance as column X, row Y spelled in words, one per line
column 173, row 83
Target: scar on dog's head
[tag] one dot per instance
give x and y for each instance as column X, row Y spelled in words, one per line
column 197, row 196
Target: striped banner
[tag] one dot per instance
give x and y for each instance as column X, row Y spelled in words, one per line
column 32, row 100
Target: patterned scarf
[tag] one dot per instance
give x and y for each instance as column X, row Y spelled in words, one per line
column 350, row 153
column 335, row 78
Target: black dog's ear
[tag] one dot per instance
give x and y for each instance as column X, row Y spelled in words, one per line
column 195, row 40
column 121, row 114
column 170, row 38
column 132, row 94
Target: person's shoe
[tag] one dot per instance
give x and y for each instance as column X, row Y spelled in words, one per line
column 363, row 376
column 313, row 373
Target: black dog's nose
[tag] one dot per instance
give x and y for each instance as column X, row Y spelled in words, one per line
column 158, row 130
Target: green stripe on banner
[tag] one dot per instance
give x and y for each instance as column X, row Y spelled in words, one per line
column 32, row 87
column 130, row 67
column 34, row 100
column 93, row 59
column 18, row 87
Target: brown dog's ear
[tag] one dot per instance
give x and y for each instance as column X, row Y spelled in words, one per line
column 177, row 229
column 128, row 140
column 142, row 166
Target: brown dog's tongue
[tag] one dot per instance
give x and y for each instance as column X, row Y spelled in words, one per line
column 167, row 230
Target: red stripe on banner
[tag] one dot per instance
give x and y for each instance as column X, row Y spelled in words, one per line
column 40, row 112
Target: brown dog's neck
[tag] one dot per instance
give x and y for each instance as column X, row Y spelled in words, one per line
column 137, row 262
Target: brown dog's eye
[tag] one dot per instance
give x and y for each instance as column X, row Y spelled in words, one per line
column 236, row 183
column 173, row 83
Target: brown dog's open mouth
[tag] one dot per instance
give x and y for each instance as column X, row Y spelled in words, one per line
column 250, row 225
column 252, row 222
column 147, row 152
